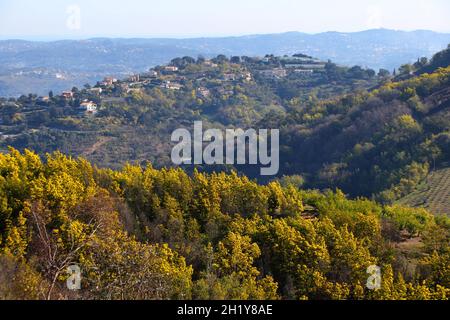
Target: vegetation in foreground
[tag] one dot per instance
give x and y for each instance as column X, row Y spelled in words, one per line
column 142, row 233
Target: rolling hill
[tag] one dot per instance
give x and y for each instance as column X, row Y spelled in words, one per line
column 369, row 135
column 38, row 67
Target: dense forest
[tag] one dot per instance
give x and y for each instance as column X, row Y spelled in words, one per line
column 340, row 127
column 86, row 179
column 142, row 233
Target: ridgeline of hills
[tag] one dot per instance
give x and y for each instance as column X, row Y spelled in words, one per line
column 370, row 134
column 42, row 66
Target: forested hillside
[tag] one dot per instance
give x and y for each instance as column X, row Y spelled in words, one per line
column 391, row 136
column 40, row 66
column 142, row 233
column 373, row 134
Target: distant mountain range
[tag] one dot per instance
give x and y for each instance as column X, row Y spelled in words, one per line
column 28, row 66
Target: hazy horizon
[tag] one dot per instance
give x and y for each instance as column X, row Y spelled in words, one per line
column 67, row 19
column 62, row 38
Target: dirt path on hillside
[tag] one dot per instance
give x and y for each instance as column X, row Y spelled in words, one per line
column 102, row 141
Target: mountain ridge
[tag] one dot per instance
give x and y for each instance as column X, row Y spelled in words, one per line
column 60, row 65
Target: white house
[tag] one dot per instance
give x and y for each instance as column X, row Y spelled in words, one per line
column 88, row 107
column 67, row 94
column 96, row 91
column 204, row 92
column 171, row 85
column 171, row 68
column 108, row 81
column 276, row 73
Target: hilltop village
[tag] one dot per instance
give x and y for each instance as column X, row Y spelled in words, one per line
column 204, row 79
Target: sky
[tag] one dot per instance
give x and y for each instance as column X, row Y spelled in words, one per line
column 69, row 19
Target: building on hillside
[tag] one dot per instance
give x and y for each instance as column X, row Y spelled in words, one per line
column 313, row 66
column 304, row 71
column 137, row 84
column 123, row 86
column 43, row 100
column 225, row 92
column 108, row 81
column 9, row 104
column 88, row 107
column 229, row 77
column 247, row 76
column 276, row 73
column 171, row 85
column 67, row 94
column 302, row 62
column 134, row 78
column 96, row 91
column 150, row 74
column 203, row 92
column 170, row 68
column 211, row 64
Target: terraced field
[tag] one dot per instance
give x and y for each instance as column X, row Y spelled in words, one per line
column 432, row 194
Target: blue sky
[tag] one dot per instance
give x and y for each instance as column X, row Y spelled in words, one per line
column 192, row 18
